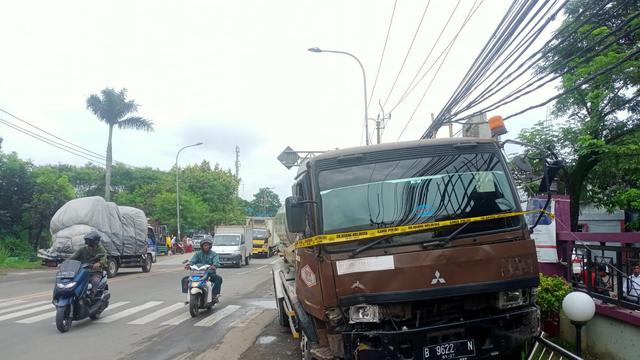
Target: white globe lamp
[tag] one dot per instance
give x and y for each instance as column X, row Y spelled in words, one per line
column 579, row 308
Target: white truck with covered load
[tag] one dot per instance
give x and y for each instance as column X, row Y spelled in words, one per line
column 123, row 230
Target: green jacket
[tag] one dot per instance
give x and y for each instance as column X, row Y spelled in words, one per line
column 210, row 258
column 85, row 254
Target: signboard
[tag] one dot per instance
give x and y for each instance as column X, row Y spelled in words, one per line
column 289, row 157
column 545, row 233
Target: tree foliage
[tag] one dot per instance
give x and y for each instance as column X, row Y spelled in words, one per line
column 113, row 108
column 30, row 195
column 599, row 122
column 265, row 203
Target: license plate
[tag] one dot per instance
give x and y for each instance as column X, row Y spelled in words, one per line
column 450, row 350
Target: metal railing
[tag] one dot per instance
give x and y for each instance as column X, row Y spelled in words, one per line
column 545, row 349
column 603, row 271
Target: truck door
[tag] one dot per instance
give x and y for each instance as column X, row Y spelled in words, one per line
column 308, row 284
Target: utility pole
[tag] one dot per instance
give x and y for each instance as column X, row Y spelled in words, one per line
column 380, row 122
column 238, row 168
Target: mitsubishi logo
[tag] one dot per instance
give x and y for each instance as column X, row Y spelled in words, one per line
column 438, row 279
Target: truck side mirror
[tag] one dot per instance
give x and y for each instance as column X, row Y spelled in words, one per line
column 522, row 163
column 296, row 214
column 550, row 173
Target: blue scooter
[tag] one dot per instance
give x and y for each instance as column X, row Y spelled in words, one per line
column 72, row 295
column 198, row 288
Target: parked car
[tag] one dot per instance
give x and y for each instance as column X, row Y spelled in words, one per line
column 196, row 239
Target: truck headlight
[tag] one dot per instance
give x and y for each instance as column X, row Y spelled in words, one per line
column 511, row 298
column 364, row 313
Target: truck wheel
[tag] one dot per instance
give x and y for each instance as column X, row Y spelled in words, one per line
column 112, row 267
column 146, row 267
column 305, row 347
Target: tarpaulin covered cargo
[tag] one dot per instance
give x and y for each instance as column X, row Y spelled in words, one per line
column 123, row 229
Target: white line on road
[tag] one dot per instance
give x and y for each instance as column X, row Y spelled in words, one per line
column 24, row 306
column 154, row 315
column 52, row 314
column 9, row 303
column 217, row 316
column 274, row 261
column 26, row 312
column 125, row 313
column 244, row 272
column 177, row 320
column 261, row 267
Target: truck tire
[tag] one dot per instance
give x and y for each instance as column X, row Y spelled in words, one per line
column 112, row 267
column 148, row 260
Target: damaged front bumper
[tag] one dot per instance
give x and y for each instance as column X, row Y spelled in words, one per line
column 491, row 335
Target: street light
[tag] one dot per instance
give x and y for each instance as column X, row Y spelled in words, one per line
column 178, row 188
column 579, row 308
column 364, row 77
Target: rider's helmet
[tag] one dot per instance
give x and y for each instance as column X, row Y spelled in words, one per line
column 206, row 241
column 92, row 238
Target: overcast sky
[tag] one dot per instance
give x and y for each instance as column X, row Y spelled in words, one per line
column 227, row 73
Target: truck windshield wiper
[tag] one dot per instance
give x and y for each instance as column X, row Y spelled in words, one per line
column 369, row 245
column 448, row 238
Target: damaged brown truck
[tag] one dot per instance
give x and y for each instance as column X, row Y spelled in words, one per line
column 410, row 250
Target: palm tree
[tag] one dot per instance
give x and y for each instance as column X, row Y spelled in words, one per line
column 112, row 108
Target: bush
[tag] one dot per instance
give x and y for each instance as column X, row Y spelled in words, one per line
column 551, row 292
column 15, row 247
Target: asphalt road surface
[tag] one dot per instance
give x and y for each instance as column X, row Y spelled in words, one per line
column 146, row 318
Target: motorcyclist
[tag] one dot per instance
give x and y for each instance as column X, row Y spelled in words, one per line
column 206, row 256
column 90, row 252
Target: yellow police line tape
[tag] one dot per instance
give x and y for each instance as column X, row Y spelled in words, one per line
column 366, row 234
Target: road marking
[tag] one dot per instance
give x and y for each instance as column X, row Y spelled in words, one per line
column 217, row 316
column 177, row 320
column 248, row 318
column 154, row 315
column 244, row 272
column 261, row 267
column 52, row 314
column 9, row 303
column 20, row 307
column 274, row 261
column 25, row 312
column 125, row 313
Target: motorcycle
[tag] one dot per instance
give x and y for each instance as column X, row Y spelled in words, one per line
column 198, row 288
column 72, row 295
column 177, row 248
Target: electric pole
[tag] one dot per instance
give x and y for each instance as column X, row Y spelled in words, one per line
column 238, row 168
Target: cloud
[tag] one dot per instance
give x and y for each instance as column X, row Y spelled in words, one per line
column 221, row 137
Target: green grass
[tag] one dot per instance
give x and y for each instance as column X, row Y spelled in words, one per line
column 17, row 263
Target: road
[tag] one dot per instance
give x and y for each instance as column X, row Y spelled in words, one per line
column 146, row 318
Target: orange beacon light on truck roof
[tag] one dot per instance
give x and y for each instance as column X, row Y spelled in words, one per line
column 496, row 125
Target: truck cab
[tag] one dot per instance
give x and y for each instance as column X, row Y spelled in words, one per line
column 410, row 250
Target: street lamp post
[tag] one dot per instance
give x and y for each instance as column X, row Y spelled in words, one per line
column 178, row 188
column 579, row 308
column 364, row 77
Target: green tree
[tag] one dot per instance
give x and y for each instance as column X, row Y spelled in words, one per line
column 50, row 192
column 114, row 109
column 16, row 189
column 600, row 115
column 193, row 211
column 265, row 203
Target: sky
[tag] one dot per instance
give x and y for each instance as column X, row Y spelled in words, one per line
column 231, row 73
